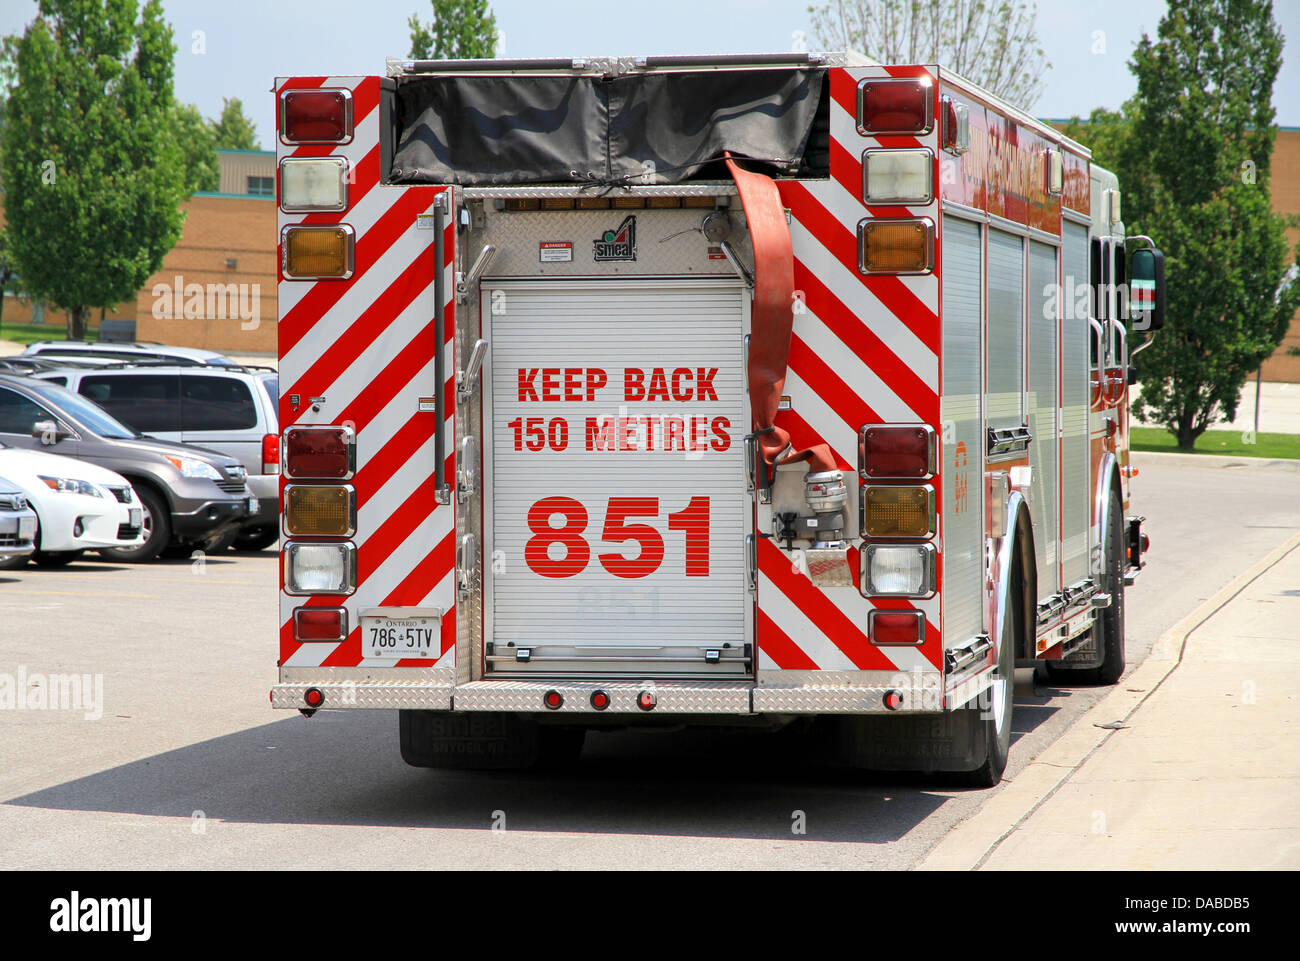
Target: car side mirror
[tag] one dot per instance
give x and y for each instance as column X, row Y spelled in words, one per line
column 50, row 432
column 1147, row 289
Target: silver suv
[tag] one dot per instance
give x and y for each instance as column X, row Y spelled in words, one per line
column 100, row 350
column 228, row 409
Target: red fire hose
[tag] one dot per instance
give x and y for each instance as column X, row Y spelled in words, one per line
column 772, row 320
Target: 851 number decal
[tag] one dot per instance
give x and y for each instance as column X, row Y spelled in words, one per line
column 692, row 521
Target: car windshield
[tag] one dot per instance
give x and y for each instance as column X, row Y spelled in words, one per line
column 92, row 415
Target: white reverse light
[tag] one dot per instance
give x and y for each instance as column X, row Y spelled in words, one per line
column 898, row 570
column 898, row 176
column 313, row 183
column 320, row 568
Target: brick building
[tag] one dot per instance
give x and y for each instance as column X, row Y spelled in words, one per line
column 217, row 286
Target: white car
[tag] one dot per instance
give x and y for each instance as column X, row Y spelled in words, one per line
column 79, row 506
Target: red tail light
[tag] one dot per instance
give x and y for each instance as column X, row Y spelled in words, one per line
column 270, row 453
column 896, row 627
column 316, row 116
column 319, row 452
column 320, row 624
column 904, row 452
column 895, row 106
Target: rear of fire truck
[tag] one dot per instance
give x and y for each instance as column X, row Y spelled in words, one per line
column 613, row 397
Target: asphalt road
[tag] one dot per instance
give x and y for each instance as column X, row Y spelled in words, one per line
column 189, row 768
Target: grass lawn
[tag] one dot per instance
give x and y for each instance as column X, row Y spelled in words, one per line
column 1230, row 442
column 30, row 333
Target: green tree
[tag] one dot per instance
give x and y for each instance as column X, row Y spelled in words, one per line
column 234, row 130
column 1195, row 175
column 993, row 42
column 459, row 30
column 198, row 145
column 93, row 175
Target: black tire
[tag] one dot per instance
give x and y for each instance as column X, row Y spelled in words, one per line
column 220, row 543
column 56, row 558
column 256, row 538
column 1110, row 625
column 157, row 526
column 15, row 563
column 993, row 715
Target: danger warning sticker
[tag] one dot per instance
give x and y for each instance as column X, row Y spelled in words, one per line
column 555, row 251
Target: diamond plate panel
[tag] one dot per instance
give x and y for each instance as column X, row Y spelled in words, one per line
column 846, row 692
column 676, row 698
column 364, row 688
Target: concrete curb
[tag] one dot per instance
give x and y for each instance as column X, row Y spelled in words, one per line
column 974, row 840
column 1142, row 458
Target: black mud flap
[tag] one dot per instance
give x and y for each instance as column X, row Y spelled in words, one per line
column 479, row 741
column 955, row 741
column 468, row 740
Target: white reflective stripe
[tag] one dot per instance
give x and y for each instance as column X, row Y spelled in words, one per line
column 821, row 417
column 864, row 381
column 802, row 631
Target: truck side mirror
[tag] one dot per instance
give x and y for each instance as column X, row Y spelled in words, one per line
column 1147, row 289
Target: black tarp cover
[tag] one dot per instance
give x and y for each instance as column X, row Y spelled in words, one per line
column 515, row 130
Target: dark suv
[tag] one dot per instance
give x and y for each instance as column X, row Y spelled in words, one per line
column 192, row 497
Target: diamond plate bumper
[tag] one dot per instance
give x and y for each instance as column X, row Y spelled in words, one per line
column 784, row 692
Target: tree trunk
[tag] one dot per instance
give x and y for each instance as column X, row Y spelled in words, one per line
column 77, row 323
column 1184, row 432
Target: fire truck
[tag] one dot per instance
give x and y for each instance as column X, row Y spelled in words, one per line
column 663, row 391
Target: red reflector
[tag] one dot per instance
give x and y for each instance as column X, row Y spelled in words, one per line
column 903, row 452
column 314, row 697
column 324, row 452
column 316, row 116
column 270, row 453
column 896, row 627
column 320, row 624
column 895, row 106
column 553, row 700
column 646, row 700
column 893, row 700
column 599, row 700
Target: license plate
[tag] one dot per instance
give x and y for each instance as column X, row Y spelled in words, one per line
column 26, row 528
column 136, row 517
column 253, row 505
column 394, row 637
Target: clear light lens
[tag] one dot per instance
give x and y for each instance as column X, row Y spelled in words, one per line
column 313, row 183
column 194, row 468
column 69, row 485
column 898, row 176
column 898, row 570
column 319, row 568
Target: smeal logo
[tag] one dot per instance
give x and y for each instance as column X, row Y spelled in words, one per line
column 77, row 915
column 617, row 244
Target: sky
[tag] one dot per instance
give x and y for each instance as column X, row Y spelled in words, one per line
column 235, row 48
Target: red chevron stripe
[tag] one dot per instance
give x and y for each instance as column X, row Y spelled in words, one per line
column 398, row 449
column 819, row 609
column 776, row 644
column 866, row 346
column 288, row 644
column 348, row 653
column 422, row 502
column 803, row 436
column 370, row 246
column 847, row 170
column 844, row 91
column 839, row 396
column 842, row 243
column 416, row 586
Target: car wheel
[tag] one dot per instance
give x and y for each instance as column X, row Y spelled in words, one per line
column 157, row 530
column 56, row 558
column 256, row 538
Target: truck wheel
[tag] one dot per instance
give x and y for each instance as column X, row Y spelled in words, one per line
column 993, row 717
column 1109, row 626
column 157, row 530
